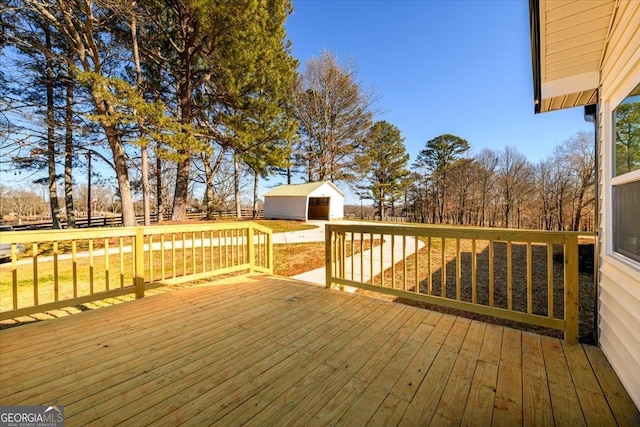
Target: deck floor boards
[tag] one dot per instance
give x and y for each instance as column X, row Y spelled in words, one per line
column 263, row 350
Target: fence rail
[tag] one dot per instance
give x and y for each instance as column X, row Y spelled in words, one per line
column 62, row 268
column 116, row 220
column 508, row 274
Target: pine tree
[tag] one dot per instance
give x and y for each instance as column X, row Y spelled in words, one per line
column 382, row 165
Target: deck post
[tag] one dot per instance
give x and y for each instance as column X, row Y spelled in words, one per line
column 571, row 300
column 138, row 257
column 327, row 255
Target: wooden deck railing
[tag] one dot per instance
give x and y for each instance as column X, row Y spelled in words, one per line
column 62, row 268
column 509, row 274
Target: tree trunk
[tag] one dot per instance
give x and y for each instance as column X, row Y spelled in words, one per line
column 68, row 153
column 159, row 201
column 51, row 137
column 179, row 212
column 236, row 186
column 256, row 179
column 208, row 192
column 144, row 154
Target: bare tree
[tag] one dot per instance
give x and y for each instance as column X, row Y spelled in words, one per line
column 515, row 179
column 334, row 114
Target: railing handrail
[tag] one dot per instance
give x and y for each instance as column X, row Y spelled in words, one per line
column 337, row 266
column 212, row 249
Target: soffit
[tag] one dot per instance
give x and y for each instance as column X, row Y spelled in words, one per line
column 573, row 40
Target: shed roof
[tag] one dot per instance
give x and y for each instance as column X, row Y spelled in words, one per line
column 568, row 42
column 300, row 190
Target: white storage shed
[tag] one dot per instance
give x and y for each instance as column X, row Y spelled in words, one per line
column 313, row 200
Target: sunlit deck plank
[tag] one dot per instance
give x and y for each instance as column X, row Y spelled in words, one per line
column 271, row 351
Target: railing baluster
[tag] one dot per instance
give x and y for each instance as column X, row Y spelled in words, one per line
column 458, row 270
column 212, row 267
column 34, row 254
column 474, row 274
column 529, row 281
column 162, row 258
column 491, row 275
column 404, row 262
column 184, row 254
column 361, row 257
column 550, row 290
column 443, row 267
column 14, row 275
column 509, row 277
column 74, row 268
column 193, row 254
column 121, row 256
column 173, row 255
column 106, row 264
column 91, row 267
column 56, row 280
column 382, row 259
column 393, row 262
column 416, row 285
column 226, row 248
column 429, row 276
column 151, row 266
column 371, row 257
column 353, row 257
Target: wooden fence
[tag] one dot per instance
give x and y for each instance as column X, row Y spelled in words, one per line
column 116, row 220
column 62, row 268
column 508, row 274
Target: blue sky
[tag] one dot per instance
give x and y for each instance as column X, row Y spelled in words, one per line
column 460, row 67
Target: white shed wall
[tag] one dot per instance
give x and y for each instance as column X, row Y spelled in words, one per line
column 336, row 204
column 619, row 277
column 283, row 207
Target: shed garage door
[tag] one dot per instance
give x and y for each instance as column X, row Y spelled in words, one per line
column 319, row 208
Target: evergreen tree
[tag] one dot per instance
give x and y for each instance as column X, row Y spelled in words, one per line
column 438, row 158
column 383, row 165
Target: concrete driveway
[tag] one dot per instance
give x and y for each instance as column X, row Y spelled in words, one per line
column 317, row 276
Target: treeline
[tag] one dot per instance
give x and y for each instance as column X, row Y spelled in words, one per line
column 501, row 188
column 203, row 94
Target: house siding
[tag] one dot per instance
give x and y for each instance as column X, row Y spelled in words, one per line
column 619, row 277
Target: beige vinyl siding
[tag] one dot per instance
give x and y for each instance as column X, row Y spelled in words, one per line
column 619, row 277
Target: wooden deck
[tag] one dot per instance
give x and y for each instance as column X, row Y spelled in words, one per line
column 271, row 351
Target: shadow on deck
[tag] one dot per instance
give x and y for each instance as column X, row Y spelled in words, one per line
column 268, row 350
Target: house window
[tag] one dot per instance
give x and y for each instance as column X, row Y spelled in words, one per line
column 626, row 177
